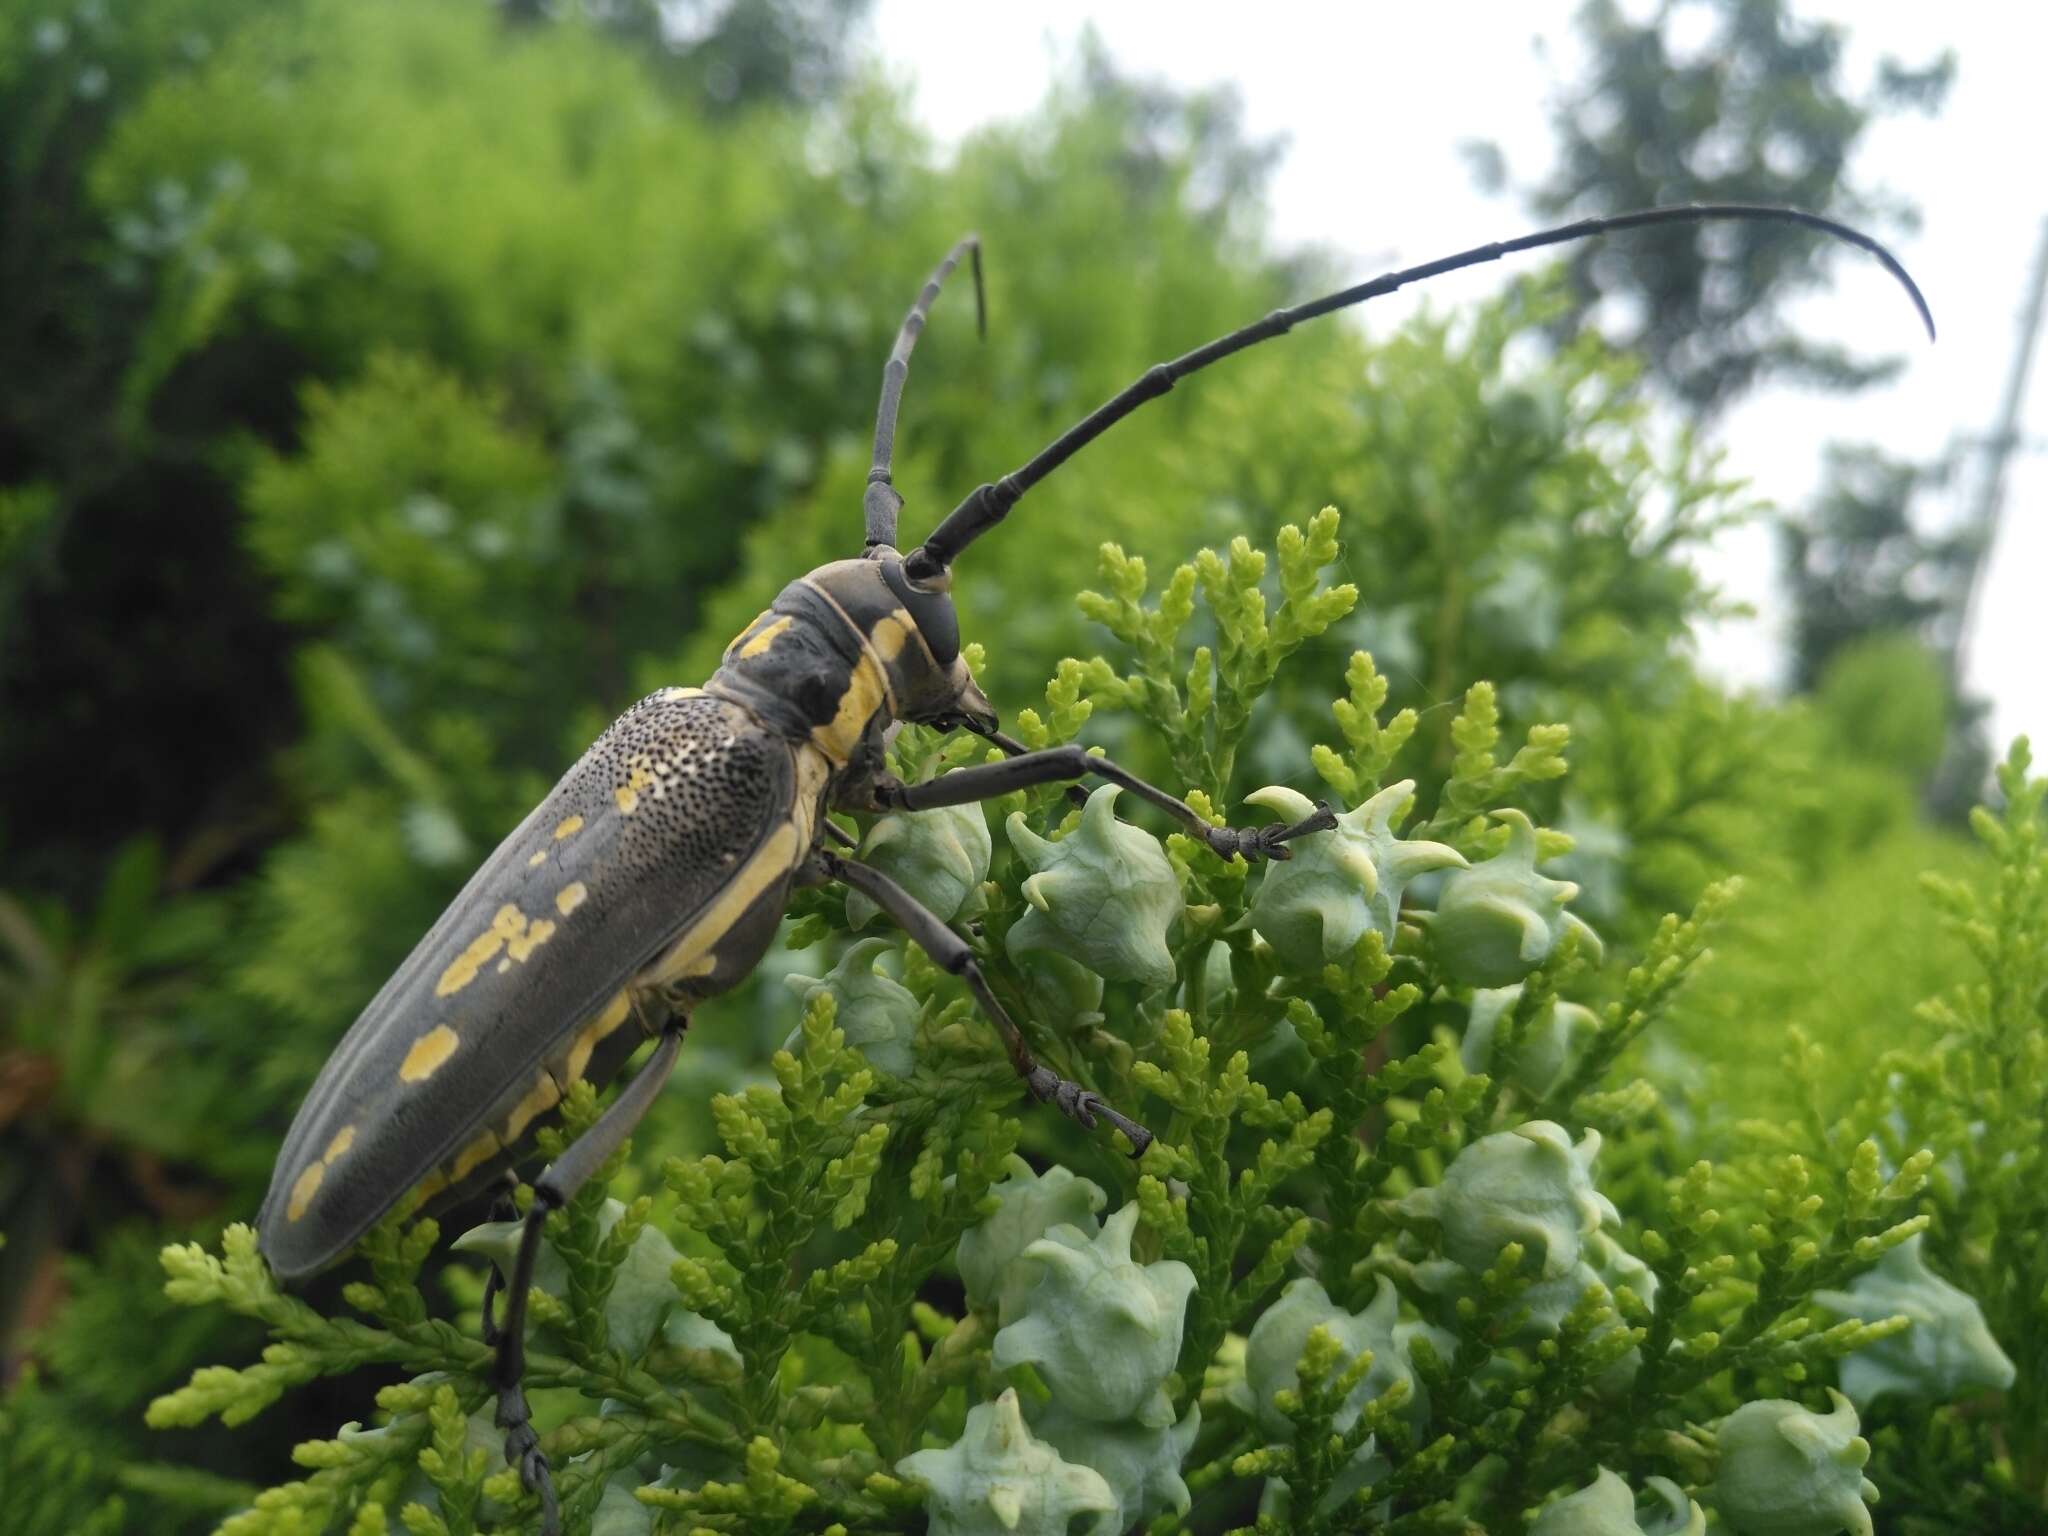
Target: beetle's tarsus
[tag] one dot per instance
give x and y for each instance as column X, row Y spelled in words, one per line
column 1083, row 1106
column 522, row 1450
column 1270, row 842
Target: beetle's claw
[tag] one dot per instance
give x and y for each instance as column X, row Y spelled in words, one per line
column 1270, row 842
column 1084, row 1107
column 522, row 1450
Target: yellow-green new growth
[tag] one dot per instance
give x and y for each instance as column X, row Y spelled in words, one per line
column 998, row 1480
column 1498, row 920
column 1605, row 1507
column 1787, row 1471
column 1315, row 907
column 1104, row 895
column 1102, row 1329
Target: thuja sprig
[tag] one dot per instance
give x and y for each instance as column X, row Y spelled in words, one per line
column 795, row 1164
column 1760, row 1301
column 1203, row 716
column 1369, row 746
column 1673, row 954
column 1226, row 1207
column 1479, row 780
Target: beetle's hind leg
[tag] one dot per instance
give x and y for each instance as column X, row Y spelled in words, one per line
column 556, row 1185
column 951, row 953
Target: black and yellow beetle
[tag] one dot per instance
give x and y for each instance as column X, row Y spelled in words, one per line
column 654, row 874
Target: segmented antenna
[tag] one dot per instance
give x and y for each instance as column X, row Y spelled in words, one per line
column 880, row 502
column 988, row 505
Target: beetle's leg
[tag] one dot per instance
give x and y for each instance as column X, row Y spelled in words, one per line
column 502, row 1209
column 557, row 1183
column 1027, row 769
column 951, row 953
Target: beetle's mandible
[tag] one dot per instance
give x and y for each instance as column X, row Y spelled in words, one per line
column 654, row 874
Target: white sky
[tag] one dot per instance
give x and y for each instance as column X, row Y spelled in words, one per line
column 1373, row 101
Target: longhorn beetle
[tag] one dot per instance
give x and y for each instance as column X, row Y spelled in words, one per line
column 653, row 875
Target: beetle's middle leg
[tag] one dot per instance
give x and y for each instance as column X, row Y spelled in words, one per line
column 951, row 953
column 557, row 1184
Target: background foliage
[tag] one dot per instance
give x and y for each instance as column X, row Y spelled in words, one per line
column 396, row 391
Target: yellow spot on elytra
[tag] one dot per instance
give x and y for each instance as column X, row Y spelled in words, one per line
column 536, row 934
column 432, row 1185
column 628, row 793
column 302, row 1191
column 890, row 631
column 480, row 1151
column 509, row 931
column 543, row 1096
column 765, row 638
column 507, row 925
column 614, row 1015
column 568, row 826
column 428, row 1053
column 570, row 897
column 841, row 734
column 537, row 860
column 343, row 1140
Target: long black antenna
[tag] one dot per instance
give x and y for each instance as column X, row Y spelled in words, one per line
column 988, row 505
column 880, row 503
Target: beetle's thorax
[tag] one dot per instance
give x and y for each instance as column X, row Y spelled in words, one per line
column 845, row 651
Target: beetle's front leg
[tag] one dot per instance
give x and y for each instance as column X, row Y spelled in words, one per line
column 951, row 953
column 1027, row 769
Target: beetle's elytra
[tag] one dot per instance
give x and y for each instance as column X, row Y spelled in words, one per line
column 653, row 875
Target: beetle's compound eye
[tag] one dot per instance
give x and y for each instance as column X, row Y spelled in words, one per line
column 931, row 609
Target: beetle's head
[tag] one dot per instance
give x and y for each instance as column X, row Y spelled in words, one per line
column 933, row 685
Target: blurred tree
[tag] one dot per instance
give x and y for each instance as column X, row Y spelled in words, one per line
column 731, row 53
column 129, row 616
column 1859, row 566
column 1717, row 101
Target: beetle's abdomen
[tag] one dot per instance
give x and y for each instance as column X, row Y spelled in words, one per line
column 651, row 875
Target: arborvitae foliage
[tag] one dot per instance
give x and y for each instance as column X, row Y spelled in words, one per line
column 1353, row 1285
